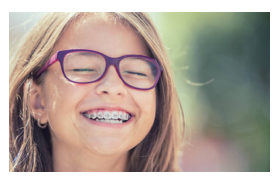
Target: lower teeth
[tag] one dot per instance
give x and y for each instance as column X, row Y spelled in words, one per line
column 109, row 121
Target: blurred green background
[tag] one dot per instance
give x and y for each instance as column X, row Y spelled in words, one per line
column 221, row 65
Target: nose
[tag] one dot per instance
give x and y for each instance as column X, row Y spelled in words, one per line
column 111, row 84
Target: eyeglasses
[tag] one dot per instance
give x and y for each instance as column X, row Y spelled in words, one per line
column 86, row 66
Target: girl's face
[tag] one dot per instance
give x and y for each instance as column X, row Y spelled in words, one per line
column 64, row 101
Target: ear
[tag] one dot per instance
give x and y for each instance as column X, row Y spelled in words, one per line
column 37, row 105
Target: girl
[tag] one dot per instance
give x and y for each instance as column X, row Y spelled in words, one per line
column 93, row 92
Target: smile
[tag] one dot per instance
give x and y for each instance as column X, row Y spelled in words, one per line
column 107, row 116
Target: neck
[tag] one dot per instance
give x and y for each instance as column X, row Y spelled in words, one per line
column 76, row 160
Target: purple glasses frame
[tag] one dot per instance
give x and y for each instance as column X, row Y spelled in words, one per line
column 60, row 55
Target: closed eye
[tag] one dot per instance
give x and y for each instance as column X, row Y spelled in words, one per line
column 136, row 73
column 81, row 70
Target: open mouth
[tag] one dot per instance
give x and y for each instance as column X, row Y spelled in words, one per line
column 114, row 117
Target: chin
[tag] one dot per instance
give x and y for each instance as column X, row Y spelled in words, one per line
column 108, row 146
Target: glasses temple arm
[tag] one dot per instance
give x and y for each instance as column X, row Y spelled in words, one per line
column 160, row 66
column 52, row 60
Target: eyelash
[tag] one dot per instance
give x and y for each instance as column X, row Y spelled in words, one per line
column 140, row 74
column 80, row 70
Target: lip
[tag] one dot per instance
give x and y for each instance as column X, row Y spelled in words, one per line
column 109, row 108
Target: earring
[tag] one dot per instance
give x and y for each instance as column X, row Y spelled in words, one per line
column 41, row 126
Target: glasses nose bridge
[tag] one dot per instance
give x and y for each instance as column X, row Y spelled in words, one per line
column 113, row 61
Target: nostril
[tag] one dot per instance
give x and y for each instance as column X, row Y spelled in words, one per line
column 106, row 92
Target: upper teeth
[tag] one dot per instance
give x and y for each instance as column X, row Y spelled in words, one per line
column 108, row 115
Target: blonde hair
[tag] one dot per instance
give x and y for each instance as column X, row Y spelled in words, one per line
column 30, row 146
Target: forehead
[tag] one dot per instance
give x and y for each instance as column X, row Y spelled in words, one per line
column 102, row 34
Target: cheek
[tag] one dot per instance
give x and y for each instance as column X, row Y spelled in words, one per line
column 60, row 97
column 61, row 100
column 60, row 94
column 146, row 100
column 146, row 103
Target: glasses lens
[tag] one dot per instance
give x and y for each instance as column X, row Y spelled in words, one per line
column 84, row 66
column 138, row 72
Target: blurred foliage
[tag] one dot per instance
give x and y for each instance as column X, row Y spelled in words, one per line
column 221, row 64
